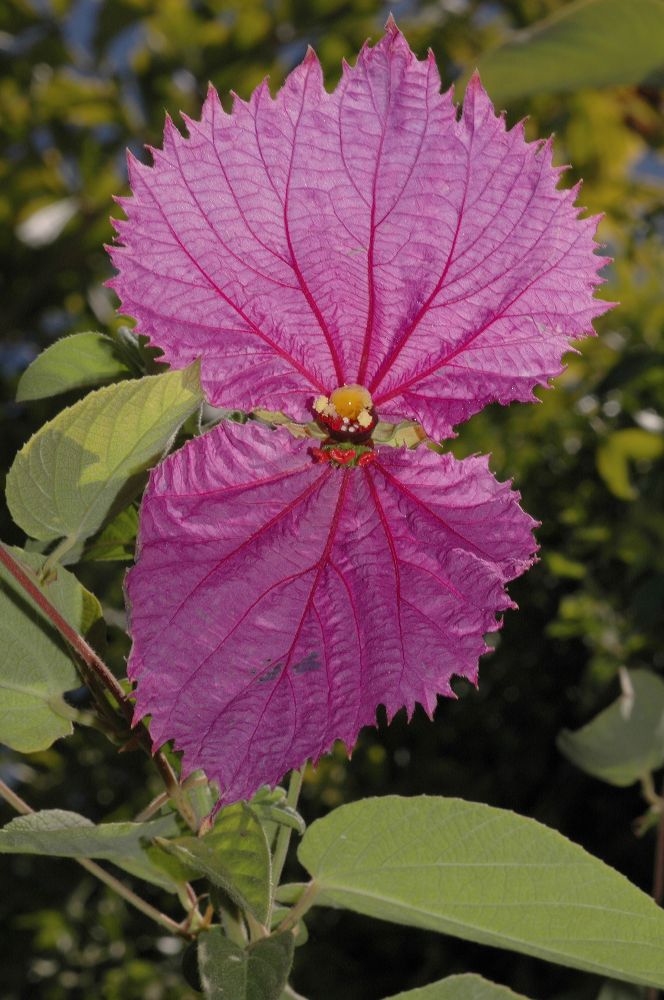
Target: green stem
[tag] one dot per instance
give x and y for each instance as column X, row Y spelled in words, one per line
column 304, row 903
column 103, row 674
column 649, row 791
column 21, row 806
column 256, row 929
column 160, row 800
column 60, row 550
column 284, row 834
column 14, row 800
column 233, row 925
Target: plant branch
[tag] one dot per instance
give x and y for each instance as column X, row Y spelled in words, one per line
column 21, row 806
column 14, row 800
column 103, row 674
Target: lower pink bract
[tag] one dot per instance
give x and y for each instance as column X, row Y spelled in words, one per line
column 276, row 603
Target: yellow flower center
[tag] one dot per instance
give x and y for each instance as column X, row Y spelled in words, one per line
column 350, row 400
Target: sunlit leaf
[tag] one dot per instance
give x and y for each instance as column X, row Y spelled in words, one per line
column 88, row 463
column 44, row 224
column 63, row 834
column 72, row 363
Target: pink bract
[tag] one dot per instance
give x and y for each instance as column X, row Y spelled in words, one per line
column 367, row 235
column 276, row 602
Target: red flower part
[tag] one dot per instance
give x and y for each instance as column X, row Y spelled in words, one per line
column 343, row 457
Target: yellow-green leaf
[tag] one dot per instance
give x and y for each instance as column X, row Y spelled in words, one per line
column 618, row 449
column 87, row 463
column 72, row 363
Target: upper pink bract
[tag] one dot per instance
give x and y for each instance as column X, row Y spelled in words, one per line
column 275, row 602
column 367, row 236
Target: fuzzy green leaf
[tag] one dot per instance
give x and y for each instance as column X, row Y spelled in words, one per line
column 258, row 972
column 487, row 875
column 62, row 834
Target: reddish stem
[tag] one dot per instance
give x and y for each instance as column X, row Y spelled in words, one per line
column 95, row 664
column 76, row 641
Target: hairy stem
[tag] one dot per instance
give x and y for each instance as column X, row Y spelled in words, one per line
column 284, row 833
column 101, row 673
column 21, row 806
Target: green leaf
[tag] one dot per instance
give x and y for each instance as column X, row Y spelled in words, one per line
column 62, row 834
column 116, row 542
column 487, row 875
column 234, row 855
column 615, row 453
column 157, row 866
column 72, row 363
column 625, row 742
column 591, row 43
column 465, row 987
column 290, row 994
column 36, row 667
column 84, row 466
column 620, row 991
column 258, row 972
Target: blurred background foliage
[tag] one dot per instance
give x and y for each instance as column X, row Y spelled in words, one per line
column 81, row 80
